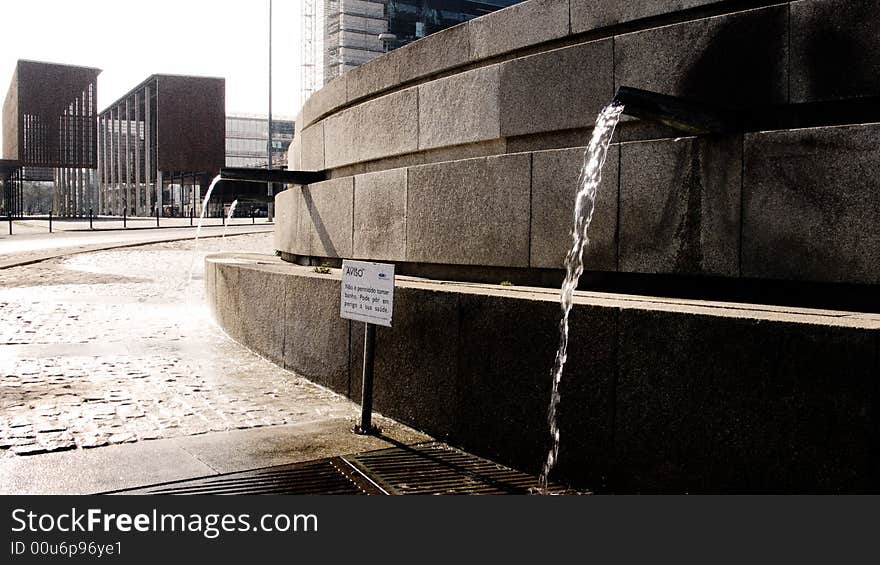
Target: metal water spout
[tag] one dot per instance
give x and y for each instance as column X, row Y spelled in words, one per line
column 680, row 114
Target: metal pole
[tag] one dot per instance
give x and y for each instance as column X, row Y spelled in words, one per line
column 366, row 426
column 125, row 216
column 9, row 215
column 157, row 217
column 191, row 215
column 270, row 205
column 90, row 219
column 50, row 221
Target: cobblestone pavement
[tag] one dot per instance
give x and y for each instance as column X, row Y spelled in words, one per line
column 117, row 346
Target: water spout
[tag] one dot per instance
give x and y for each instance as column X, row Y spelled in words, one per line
column 584, row 205
column 686, row 116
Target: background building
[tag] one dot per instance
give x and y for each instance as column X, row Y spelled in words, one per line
column 339, row 35
column 49, row 133
column 247, row 140
column 160, row 145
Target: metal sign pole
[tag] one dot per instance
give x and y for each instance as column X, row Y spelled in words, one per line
column 366, row 426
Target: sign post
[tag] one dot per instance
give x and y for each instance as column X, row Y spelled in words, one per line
column 367, row 296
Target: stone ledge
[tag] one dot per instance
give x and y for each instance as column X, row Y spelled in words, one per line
column 707, row 360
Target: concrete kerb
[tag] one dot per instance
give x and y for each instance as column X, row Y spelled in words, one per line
column 62, row 252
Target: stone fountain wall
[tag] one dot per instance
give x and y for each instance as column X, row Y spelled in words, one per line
column 457, row 156
column 464, row 148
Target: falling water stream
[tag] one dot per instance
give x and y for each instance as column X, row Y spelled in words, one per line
column 199, row 226
column 584, row 205
column 229, row 218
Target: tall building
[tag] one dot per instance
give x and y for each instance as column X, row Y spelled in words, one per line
column 247, row 140
column 160, row 145
column 49, row 133
column 339, row 35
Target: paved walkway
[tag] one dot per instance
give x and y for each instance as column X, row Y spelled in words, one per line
column 36, row 244
column 117, row 347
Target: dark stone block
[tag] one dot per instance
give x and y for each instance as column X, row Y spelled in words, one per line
column 315, row 337
column 506, row 376
column 680, row 206
column 708, row 404
column 736, row 60
column 469, row 212
column 547, row 92
column 811, row 199
column 588, row 15
column 555, row 177
column 416, row 362
column 834, row 46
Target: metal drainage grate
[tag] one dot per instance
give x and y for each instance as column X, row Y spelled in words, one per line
column 436, row 468
column 324, row 476
column 426, row 468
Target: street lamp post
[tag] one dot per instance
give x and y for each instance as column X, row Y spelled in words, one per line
column 270, row 206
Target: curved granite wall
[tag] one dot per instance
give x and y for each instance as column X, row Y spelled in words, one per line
column 464, row 147
column 459, row 154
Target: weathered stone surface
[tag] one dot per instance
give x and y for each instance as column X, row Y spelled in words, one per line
column 707, row 404
column 459, row 109
column 518, row 26
column 262, row 307
column 294, row 153
column 554, row 185
column 434, row 53
column 331, row 96
column 834, row 46
column 416, row 364
column 292, row 223
column 385, row 126
column 312, row 148
column 328, row 207
column 811, row 199
column 680, row 206
column 227, row 301
column 588, row 15
column 548, row 91
column 471, row 212
column 374, row 76
column 380, row 215
column 315, row 337
column 735, row 60
column 504, row 396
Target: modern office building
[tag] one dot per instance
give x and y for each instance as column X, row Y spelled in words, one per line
column 160, row 145
column 410, row 20
column 50, row 133
column 339, row 35
column 247, row 140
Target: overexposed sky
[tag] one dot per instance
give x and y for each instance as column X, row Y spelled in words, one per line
column 131, row 40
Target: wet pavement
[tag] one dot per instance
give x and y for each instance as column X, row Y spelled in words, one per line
column 117, row 347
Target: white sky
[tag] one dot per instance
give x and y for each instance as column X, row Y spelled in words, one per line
column 131, row 40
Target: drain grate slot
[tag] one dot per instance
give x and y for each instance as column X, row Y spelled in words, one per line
column 436, row 468
column 426, row 468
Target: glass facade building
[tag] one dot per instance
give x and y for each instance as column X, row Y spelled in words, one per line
column 410, row 20
column 349, row 29
column 247, row 140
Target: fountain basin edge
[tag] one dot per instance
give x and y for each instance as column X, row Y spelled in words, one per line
column 660, row 395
